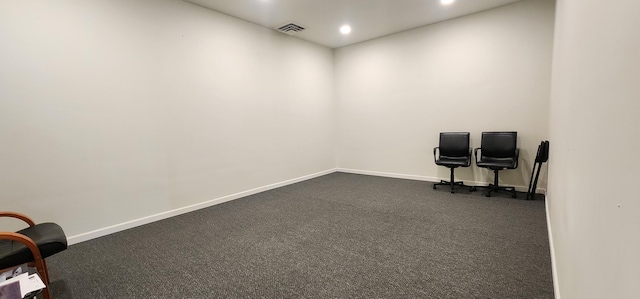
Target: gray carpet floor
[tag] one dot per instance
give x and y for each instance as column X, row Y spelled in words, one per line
column 336, row 236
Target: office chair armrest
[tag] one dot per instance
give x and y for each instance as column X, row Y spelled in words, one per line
column 24, row 240
column 517, row 156
column 22, row 217
column 435, row 149
column 475, row 153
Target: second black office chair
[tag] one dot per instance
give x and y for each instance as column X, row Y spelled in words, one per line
column 454, row 152
column 498, row 151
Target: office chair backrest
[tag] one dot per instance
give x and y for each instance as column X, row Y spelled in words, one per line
column 499, row 144
column 454, row 144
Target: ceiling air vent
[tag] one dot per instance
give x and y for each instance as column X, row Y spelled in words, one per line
column 290, row 28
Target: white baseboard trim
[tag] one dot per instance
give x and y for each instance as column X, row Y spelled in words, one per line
column 554, row 269
column 426, row 178
column 389, row 175
column 164, row 215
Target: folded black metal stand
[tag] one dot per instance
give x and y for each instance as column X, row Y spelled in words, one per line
column 541, row 157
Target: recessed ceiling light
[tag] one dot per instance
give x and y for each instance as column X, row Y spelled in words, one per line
column 446, row 2
column 346, row 29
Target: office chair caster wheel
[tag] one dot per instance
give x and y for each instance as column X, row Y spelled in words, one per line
column 434, row 187
column 488, row 195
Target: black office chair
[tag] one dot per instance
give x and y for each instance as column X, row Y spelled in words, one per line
column 498, row 151
column 454, row 151
column 31, row 246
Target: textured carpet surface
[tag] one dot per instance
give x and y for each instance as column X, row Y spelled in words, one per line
column 336, row 236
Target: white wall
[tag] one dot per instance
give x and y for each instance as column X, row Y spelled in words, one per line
column 484, row 72
column 113, row 110
column 594, row 162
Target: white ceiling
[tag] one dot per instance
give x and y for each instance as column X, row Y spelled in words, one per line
column 368, row 18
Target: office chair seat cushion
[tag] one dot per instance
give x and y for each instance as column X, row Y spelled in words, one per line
column 49, row 237
column 453, row 161
column 497, row 163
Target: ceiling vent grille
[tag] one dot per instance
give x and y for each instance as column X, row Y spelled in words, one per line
column 290, row 28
